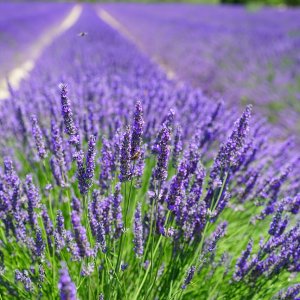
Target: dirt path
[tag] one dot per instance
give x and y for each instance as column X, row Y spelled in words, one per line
column 16, row 75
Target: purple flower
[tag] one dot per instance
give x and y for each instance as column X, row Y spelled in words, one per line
column 125, row 158
column 138, row 232
column 176, row 188
column 220, row 231
column 295, row 205
column 67, row 114
column 38, row 138
column 101, row 297
column 90, row 162
column 189, row 276
column 67, row 288
column 60, row 231
column 106, row 165
column 242, row 264
column 80, row 236
column 137, row 129
column 139, row 168
column 39, row 244
column 177, row 147
column 85, row 173
column 117, row 210
column 231, row 149
column 274, row 226
column 289, row 294
column 101, row 240
column 161, row 170
column 47, row 225
column 81, row 172
column 76, row 205
column 57, row 146
column 169, row 119
column 33, row 198
column 24, row 278
column 56, row 171
column 124, row 266
column 10, row 175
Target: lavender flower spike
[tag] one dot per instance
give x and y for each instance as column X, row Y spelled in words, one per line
column 125, row 172
column 81, row 172
column 57, row 146
column 161, row 170
column 67, row 288
column 137, row 129
column 85, row 173
column 138, row 232
column 189, row 276
column 38, row 138
column 80, row 236
column 177, row 147
column 290, row 294
column 90, row 162
column 242, row 265
column 70, row 127
column 231, row 149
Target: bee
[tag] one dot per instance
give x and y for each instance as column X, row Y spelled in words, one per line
column 136, row 155
column 82, row 34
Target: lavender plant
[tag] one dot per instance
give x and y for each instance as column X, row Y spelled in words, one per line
column 127, row 205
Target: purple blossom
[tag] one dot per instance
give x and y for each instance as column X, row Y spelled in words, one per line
column 161, row 170
column 211, row 243
column 242, row 263
column 85, row 172
column 39, row 244
column 176, row 188
column 90, row 162
column 81, row 172
column 177, row 147
column 274, row 230
column 80, row 236
column 60, row 231
column 67, row 114
column 48, row 225
column 106, row 164
column 56, row 171
column 231, row 150
column 137, row 129
column 101, row 239
column 117, row 210
column 57, row 146
column 38, row 138
column 289, row 294
column 125, row 158
column 76, row 205
column 33, row 198
column 24, row 278
column 189, row 276
column 295, row 205
column 138, row 232
column 67, row 288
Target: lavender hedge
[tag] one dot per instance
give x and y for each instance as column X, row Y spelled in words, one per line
column 245, row 56
column 118, row 183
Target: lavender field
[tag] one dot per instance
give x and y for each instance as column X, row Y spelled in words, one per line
column 149, row 152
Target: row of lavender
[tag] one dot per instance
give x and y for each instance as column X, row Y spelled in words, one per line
column 245, row 56
column 21, row 25
column 123, row 185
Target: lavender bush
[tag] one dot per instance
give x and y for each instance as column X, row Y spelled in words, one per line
column 245, row 56
column 117, row 183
